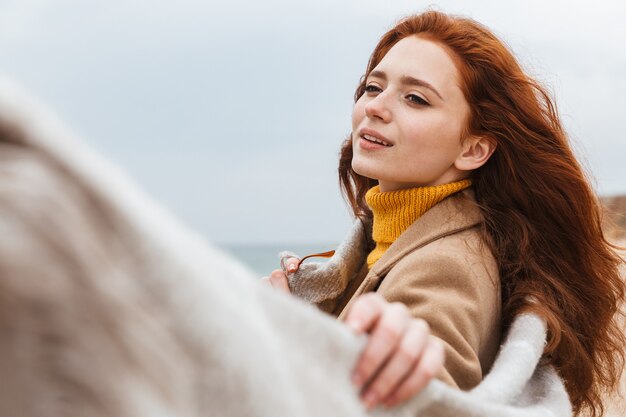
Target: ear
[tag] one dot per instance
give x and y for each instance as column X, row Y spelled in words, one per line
column 475, row 152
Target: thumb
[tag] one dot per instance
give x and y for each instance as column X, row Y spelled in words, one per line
column 291, row 264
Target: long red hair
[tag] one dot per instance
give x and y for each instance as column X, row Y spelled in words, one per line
column 542, row 218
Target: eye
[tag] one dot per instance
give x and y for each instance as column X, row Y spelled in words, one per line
column 371, row 88
column 414, row 98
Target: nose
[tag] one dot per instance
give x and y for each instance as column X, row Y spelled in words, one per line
column 378, row 108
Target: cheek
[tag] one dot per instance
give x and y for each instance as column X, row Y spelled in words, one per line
column 358, row 113
column 436, row 133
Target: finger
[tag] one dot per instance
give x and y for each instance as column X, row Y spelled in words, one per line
column 278, row 279
column 365, row 312
column 289, row 265
column 429, row 365
column 292, row 264
column 403, row 361
column 384, row 338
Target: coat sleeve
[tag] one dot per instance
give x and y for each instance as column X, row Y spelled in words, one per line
column 459, row 298
column 330, row 284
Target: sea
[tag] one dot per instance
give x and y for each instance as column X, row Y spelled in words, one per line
column 263, row 258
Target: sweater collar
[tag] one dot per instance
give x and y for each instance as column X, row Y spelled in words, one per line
column 454, row 214
column 394, row 211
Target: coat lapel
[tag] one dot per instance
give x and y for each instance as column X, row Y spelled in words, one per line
column 452, row 215
column 317, row 282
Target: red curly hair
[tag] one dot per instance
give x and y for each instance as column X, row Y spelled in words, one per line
column 542, row 218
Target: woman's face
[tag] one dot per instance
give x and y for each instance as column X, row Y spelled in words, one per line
column 414, row 105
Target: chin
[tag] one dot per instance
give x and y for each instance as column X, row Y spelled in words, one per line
column 364, row 169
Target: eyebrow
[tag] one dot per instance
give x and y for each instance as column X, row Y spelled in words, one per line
column 407, row 80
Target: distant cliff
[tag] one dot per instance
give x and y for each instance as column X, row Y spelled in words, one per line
column 615, row 229
column 615, row 217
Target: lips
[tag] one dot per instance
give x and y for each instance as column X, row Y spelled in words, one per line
column 375, row 140
column 374, row 137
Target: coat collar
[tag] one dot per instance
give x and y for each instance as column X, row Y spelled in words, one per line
column 316, row 282
column 452, row 215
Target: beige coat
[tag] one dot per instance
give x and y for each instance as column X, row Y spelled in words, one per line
column 441, row 269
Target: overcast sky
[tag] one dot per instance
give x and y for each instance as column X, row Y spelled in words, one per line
column 217, row 107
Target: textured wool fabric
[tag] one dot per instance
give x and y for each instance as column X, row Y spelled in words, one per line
column 395, row 211
column 134, row 315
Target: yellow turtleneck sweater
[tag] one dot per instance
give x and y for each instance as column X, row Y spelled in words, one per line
column 395, row 211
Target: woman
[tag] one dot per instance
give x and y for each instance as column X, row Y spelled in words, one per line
column 471, row 209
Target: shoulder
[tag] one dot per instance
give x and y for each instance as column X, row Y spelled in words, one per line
column 453, row 284
column 456, row 275
column 463, row 257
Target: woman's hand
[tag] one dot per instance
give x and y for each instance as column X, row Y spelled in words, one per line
column 278, row 277
column 401, row 355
